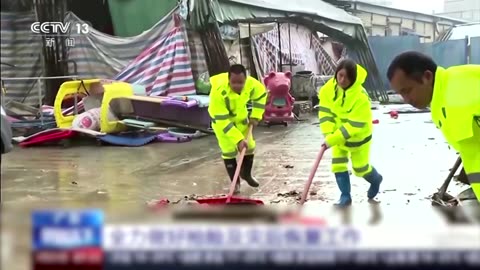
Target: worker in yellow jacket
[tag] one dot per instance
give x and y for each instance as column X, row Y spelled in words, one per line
column 453, row 96
column 229, row 96
column 346, row 122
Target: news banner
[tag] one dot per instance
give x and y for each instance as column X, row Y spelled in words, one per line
column 79, row 239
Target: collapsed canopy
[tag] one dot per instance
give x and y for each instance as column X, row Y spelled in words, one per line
column 315, row 14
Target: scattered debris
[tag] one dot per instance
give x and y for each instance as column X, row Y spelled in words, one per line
column 191, row 197
column 409, row 194
column 156, row 204
column 288, row 166
column 74, row 183
column 389, row 190
column 431, row 139
column 291, row 193
column 394, row 114
column 313, row 193
column 409, row 110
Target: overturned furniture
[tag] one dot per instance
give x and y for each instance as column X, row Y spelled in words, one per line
column 183, row 111
column 104, row 90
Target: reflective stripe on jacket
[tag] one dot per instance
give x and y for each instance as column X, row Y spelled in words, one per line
column 345, row 115
column 227, row 108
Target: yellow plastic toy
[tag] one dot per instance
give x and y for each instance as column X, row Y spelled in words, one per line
column 111, row 90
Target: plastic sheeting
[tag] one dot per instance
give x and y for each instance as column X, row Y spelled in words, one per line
column 96, row 54
column 99, row 55
column 314, row 14
column 306, row 51
column 230, row 32
column 332, row 21
column 310, row 7
column 132, row 17
column 164, row 67
column 157, row 59
column 24, row 50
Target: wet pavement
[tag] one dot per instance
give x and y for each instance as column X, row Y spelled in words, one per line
column 409, row 152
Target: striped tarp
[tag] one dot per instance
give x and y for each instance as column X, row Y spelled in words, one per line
column 163, row 68
column 306, row 50
column 99, row 55
column 157, row 59
column 197, row 54
column 24, row 50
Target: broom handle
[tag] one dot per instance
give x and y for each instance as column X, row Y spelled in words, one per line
column 443, row 188
column 239, row 166
column 312, row 175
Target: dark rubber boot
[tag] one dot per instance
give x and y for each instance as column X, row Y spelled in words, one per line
column 375, row 179
column 231, row 166
column 343, row 182
column 246, row 172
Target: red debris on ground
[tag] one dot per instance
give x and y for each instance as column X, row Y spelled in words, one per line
column 394, row 114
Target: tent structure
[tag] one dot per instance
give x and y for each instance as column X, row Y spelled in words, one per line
column 471, row 30
column 317, row 15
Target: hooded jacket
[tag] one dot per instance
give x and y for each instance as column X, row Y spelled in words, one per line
column 229, row 109
column 345, row 115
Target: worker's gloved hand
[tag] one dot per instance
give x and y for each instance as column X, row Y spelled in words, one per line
column 325, row 145
column 242, row 144
column 326, row 136
column 253, row 121
column 332, row 140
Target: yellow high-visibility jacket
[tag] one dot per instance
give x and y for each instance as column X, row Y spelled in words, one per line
column 229, row 109
column 345, row 115
column 455, row 110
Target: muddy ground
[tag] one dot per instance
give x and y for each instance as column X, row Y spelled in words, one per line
column 410, row 153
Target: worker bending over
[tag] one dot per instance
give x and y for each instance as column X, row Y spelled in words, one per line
column 346, row 122
column 229, row 96
column 453, row 95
